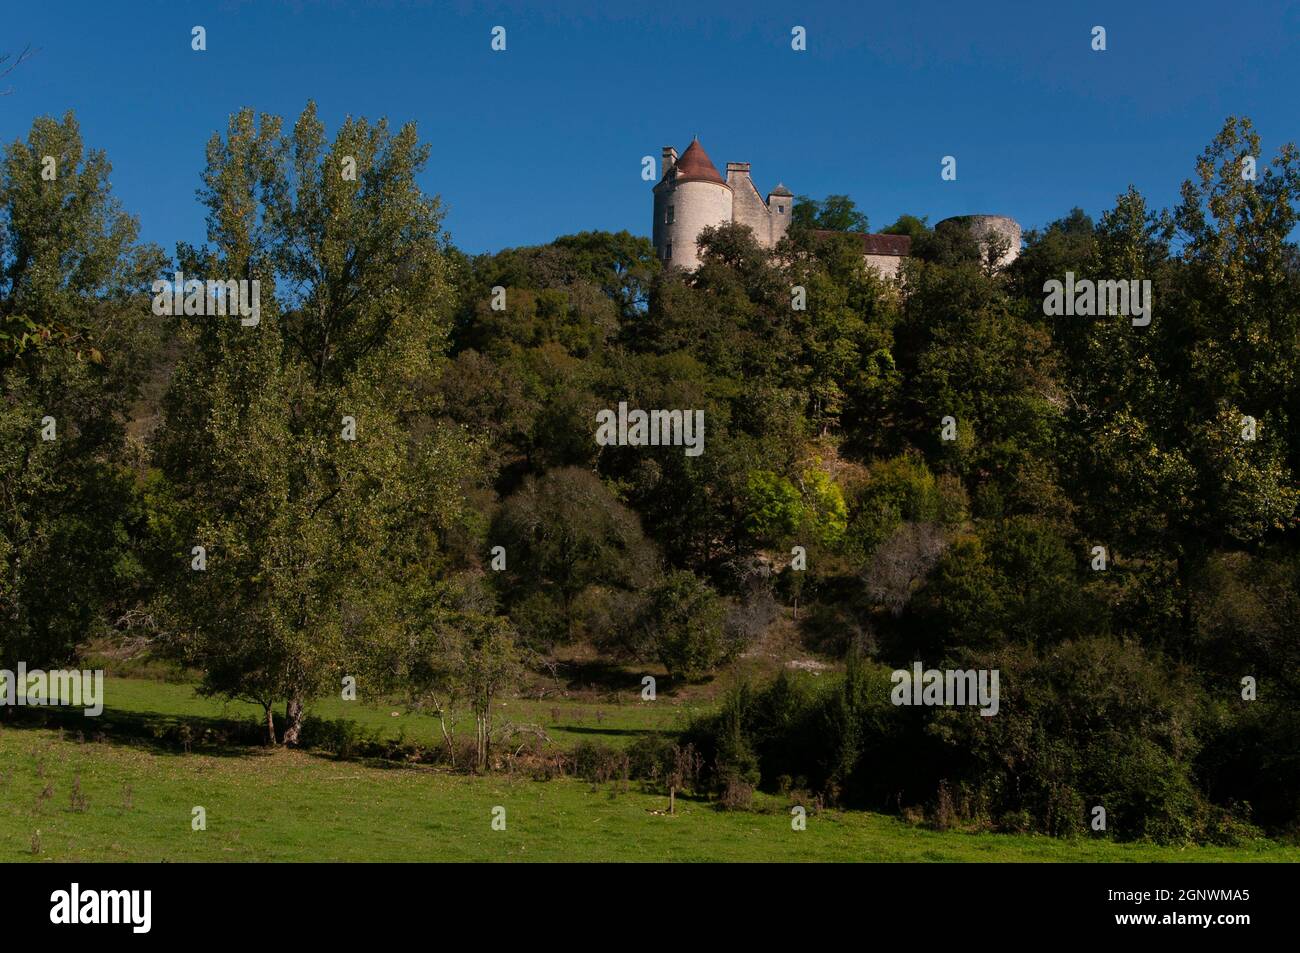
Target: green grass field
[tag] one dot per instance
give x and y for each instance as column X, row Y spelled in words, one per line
column 617, row 721
column 286, row 805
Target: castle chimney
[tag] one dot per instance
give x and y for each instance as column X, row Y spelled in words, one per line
column 737, row 170
column 670, row 158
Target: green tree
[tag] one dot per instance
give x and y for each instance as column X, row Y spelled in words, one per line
column 825, row 513
column 76, row 337
column 915, row 228
column 683, row 626
column 463, row 653
column 315, row 533
column 564, row 532
column 1163, row 467
column 775, row 506
column 835, row 213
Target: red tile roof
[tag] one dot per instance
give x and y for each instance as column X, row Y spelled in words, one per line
column 696, row 164
column 899, row 246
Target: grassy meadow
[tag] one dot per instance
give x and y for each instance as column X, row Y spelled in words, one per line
column 117, row 792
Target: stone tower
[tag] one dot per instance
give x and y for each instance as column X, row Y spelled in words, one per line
column 690, row 196
column 989, row 231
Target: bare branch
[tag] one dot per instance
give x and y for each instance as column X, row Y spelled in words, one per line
column 6, row 67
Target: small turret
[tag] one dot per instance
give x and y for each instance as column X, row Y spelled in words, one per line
column 780, row 205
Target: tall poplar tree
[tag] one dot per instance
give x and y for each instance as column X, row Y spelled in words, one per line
column 299, row 452
column 75, row 336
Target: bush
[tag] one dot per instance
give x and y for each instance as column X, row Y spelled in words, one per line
column 736, row 795
column 774, row 507
column 341, row 736
column 684, row 623
column 777, row 509
column 902, row 490
column 598, row 763
column 840, row 737
column 825, row 516
column 650, row 758
column 735, row 763
column 1251, row 758
column 1095, row 722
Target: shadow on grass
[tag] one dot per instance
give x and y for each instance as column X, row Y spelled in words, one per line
column 583, row 730
column 147, row 730
column 602, row 675
column 337, row 740
column 216, row 736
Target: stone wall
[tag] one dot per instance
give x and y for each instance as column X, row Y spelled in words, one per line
column 888, row 265
column 747, row 206
column 988, row 228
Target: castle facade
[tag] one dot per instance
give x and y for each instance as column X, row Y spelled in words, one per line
column 692, row 195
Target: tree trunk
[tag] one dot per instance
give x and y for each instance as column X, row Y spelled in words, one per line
column 446, row 735
column 480, row 754
column 293, row 712
column 270, row 727
column 481, row 740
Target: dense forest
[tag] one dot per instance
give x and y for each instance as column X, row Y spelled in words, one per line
column 392, row 476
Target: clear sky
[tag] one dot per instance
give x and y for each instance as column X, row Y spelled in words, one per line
column 547, row 138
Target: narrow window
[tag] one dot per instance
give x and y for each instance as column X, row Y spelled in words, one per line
column 668, row 218
column 668, row 252
column 780, row 210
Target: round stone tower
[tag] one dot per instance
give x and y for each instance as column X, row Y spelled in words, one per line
column 987, row 230
column 691, row 195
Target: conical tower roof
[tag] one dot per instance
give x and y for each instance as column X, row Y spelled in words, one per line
column 695, row 164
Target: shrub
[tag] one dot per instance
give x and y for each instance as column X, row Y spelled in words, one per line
column 735, row 763
column 902, row 490
column 650, row 758
column 736, row 795
column 684, row 625
column 597, row 763
column 341, row 736
column 825, row 515
column 1095, row 722
column 774, row 508
column 1251, row 758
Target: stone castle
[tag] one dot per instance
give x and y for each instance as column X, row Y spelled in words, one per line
column 692, row 194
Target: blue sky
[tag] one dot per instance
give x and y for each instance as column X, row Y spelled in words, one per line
column 547, row 138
